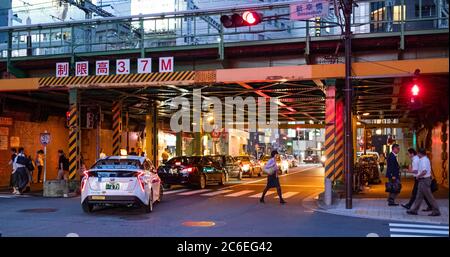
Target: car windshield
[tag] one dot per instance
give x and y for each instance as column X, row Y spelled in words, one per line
column 243, row 158
column 117, row 164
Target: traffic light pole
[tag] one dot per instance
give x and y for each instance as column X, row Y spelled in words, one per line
column 348, row 92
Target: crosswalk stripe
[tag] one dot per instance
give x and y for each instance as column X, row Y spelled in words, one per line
column 219, row 192
column 175, row 191
column 195, row 192
column 420, row 231
column 239, row 193
column 258, row 195
column 400, row 235
column 417, row 226
column 287, row 195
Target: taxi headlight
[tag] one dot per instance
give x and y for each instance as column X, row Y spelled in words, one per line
column 245, row 167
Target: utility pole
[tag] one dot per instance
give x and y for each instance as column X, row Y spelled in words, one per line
column 348, row 92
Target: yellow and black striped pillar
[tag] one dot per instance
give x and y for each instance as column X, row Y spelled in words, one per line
column 330, row 119
column 73, row 133
column 116, row 127
column 151, row 134
column 339, row 140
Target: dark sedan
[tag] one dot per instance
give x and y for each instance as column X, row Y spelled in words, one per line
column 193, row 171
column 231, row 165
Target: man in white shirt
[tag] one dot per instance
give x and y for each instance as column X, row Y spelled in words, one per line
column 424, row 178
column 414, row 169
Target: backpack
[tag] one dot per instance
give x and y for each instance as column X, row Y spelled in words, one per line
column 30, row 165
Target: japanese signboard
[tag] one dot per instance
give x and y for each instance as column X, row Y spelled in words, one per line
column 3, row 142
column 123, row 66
column 6, row 121
column 4, row 131
column 62, row 69
column 144, row 65
column 102, row 68
column 308, row 9
column 15, row 142
column 81, row 69
column 166, row 64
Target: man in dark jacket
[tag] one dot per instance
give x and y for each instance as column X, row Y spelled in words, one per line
column 393, row 172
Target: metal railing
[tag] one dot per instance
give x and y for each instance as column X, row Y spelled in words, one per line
column 189, row 29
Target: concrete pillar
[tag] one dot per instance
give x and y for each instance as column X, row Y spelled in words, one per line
column 179, row 144
column 74, row 131
column 151, row 134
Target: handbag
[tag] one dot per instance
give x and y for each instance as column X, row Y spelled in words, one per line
column 434, row 185
column 268, row 171
column 393, row 187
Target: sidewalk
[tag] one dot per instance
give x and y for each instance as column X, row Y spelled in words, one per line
column 35, row 190
column 372, row 204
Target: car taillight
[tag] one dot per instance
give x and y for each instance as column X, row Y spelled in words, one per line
column 188, row 170
column 86, row 175
column 141, row 180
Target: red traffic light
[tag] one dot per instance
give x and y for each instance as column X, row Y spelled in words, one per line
column 248, row 18
column 68, row 115
column 415, row 90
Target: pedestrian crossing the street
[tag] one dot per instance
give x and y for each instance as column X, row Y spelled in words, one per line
column 417, row 230
column 228, row 193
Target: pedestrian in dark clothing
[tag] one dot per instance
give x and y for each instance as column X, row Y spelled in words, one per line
column 393, row 172
column 21, row 174
column 132, row 152
column 272, row 179
column 415, row 160
column 63, row 166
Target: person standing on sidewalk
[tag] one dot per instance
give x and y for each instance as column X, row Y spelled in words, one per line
column 415, row 170
column 63, row 166
column 424, row 187
column 39, row 161
column 272, row 180
column 393, row 172
column 21, row 174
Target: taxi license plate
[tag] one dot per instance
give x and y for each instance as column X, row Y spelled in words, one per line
column 98, row 197
column 112, row 186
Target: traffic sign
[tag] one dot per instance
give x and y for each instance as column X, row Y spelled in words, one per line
column 45, row 138
column 308, row 9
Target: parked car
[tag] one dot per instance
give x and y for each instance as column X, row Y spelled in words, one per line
column 249, row 166
column 231, row 166
column 369, row 165
column 313, row 158
column 283, row 165
column 198, row 171
column 124, row 180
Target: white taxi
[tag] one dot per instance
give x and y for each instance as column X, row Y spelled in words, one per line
column 121, row 180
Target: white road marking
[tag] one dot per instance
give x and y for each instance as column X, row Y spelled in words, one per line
column 419, row 231
column 258, row 195
column 287, row 195
column 218, row 192
column 239, row 193
column 175, row 191
column 72, row 235
column 195, row 192
column 417, row 226
column 400, row 235
column 372, row 235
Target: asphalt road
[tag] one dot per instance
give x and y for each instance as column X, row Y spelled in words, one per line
column 230, row 210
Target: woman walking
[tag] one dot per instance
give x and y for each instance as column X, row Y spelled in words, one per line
column 21, row 174
column 272, row 178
